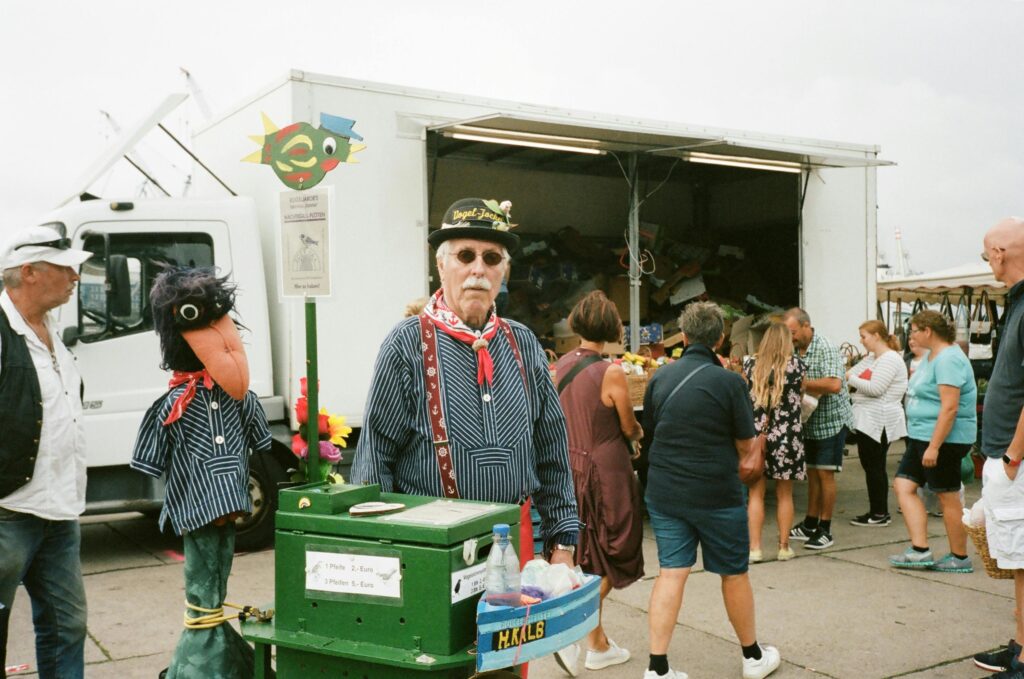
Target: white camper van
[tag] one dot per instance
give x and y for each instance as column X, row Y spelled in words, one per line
column 801, row 211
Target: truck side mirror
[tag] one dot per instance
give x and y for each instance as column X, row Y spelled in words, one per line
column 119, row 286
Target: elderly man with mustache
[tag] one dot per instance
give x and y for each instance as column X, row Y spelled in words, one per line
column 461, row 404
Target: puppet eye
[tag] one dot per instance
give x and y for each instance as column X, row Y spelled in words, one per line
column 330, row 146
column 189, row 312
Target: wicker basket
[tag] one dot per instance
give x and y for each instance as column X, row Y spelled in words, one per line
column 980, row 539
column 637, row 386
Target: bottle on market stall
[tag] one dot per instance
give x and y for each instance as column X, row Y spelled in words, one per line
column 501, row 581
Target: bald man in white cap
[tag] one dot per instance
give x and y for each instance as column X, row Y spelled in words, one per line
column 42, row 451
column 1002, row 436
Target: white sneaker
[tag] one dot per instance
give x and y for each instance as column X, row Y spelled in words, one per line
column 568, row 659
column 759, row 669
column 613, row 656
column 672, row 674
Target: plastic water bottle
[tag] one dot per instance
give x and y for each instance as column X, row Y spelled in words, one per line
column 501, row 582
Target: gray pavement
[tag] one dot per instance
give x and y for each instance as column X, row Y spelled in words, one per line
column 838, row 613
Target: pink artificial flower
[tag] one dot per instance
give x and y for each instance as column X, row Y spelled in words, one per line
column 329, row 452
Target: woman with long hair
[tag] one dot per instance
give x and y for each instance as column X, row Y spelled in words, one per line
column 879, row 382
column 775, row 376
column 942, row 425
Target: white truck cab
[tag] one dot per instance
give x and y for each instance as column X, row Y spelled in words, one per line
column 108, row 327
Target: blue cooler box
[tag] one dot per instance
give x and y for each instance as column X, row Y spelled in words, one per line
column 512, row 636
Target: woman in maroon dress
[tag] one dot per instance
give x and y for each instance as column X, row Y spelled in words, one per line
column 601, row 426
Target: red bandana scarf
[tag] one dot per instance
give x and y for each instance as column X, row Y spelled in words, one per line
column 447, row 321
column 192, row 379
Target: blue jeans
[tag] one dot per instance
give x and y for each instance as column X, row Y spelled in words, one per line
column 44, row 556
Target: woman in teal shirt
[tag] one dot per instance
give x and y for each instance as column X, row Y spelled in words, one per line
column 942, row 424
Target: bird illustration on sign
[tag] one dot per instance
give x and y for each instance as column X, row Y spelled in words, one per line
column 302, row 155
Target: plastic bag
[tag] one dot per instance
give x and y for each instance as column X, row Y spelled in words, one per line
column 543, row 580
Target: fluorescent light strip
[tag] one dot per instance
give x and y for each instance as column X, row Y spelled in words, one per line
column 531, row 135
column 524, row 142
column 792, row 168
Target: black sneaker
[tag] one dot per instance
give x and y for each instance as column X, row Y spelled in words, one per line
column 800, row 533
column 1010, row 673
column 871, row 520
column 999, row 660
column 820, row 540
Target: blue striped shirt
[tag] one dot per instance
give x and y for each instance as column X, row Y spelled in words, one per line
column 506, row 444
column 205, row 454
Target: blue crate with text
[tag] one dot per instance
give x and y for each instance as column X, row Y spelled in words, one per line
column 510, row 636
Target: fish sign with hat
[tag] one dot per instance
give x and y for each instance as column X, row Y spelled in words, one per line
column 302, row 155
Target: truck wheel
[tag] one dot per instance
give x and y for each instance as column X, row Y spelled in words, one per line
column 256, row 531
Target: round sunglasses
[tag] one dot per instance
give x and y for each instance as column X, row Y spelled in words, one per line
column 490, row 257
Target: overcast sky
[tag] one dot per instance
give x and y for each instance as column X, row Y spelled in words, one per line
column 936, row 83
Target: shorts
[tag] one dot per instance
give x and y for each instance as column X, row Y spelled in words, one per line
column 826, row 453
column 1004, row 514
column 944, row 477
column 722, row 535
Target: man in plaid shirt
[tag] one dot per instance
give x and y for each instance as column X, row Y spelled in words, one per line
column 825, row 433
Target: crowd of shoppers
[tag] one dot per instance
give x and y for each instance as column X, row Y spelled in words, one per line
column 701, row 420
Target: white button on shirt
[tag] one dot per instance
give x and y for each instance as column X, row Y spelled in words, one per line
column 57, row 489
column 219, row 440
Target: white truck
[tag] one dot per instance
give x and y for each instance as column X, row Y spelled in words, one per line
column 803, row 211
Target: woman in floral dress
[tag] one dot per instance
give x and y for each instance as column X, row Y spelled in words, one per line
column 775, row 375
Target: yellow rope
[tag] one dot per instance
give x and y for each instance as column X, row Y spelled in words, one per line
column 214, row 617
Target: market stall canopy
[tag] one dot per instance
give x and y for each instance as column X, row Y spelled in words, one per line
column 586, row 144
column 930, row 287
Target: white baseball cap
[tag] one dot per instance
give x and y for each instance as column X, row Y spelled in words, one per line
column 41, row 244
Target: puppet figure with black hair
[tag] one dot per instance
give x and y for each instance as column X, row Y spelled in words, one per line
column 200, row 433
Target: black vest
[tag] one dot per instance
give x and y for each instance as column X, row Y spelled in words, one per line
column 21, row 410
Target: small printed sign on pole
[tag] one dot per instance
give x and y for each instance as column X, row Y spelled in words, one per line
column 305, row 242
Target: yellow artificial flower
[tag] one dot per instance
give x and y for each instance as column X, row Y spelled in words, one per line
column 336, row 427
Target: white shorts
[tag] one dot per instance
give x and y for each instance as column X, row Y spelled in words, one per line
column 1004, row 514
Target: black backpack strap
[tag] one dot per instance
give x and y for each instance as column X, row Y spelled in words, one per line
column 584, row 362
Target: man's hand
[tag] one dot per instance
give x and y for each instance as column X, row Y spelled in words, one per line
column 562, row 556
column 931, row 457
column 1011, row 472
column 635, row 455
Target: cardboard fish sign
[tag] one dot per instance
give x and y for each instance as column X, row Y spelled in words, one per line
column 301, row 155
